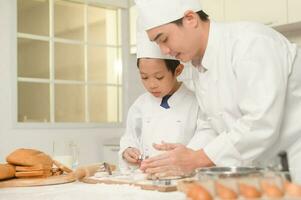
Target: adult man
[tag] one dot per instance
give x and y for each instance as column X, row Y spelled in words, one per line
column 248, row 83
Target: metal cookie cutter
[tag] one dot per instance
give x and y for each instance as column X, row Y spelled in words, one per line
column 142, row 157
column 162, row 182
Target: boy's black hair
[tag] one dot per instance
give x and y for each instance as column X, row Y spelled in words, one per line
column 203, row 16
column 170, row 64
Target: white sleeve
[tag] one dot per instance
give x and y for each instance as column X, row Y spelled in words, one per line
column 132, row 133
column 203, row 134
column 262, row 71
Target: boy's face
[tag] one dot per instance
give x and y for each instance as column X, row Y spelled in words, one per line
column 155, row 77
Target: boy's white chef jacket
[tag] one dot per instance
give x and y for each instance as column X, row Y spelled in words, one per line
column 148, row 123
column 249, row 86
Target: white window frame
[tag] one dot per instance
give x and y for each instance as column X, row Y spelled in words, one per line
column 125, row 51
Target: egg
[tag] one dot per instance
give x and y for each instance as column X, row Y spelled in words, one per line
column 225, row 192
column 249, row 191
column 184, row 185
column 271, row 189
column 292, row 189
column 198, row 192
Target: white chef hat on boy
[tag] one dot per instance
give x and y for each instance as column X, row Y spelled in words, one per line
column 158, row 12
column 146, row 48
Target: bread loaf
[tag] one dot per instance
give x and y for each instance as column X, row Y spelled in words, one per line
column 32, row 168
column 38, row 173
column 6, row 171
column 29, row 157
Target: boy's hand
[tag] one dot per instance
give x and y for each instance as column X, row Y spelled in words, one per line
column 131, row 155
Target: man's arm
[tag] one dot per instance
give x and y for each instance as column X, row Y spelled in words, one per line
column 177, row 158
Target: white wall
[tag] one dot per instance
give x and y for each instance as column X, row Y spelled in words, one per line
column 89, row 140
column 294, row 36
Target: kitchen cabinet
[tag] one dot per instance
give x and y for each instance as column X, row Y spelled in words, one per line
column 269, row 12
column 214, row 8
column 294, row 8
column 110, row 153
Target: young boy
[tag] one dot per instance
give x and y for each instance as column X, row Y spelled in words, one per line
column 167, row 112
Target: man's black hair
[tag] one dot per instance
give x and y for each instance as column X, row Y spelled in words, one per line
column 170, row 64
column 203, row 16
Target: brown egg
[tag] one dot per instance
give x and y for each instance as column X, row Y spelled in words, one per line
column 249, row 191
column 271, row 189
column 197, row 192
column 292, row 189
column 184, row 185
column 225, row 192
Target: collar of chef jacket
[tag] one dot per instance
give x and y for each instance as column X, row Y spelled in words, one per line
column 175, row 98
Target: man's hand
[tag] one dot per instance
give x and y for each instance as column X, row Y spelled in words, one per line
column 131, row 155
column 177, row 158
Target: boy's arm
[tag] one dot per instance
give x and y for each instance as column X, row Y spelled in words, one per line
column 130, row 139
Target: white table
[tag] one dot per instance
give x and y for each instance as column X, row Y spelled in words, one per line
column 83, row 191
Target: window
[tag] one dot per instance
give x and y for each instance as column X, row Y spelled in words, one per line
column 133, row 17
column 69, row 62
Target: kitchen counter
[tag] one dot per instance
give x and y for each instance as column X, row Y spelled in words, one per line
column 83, row 191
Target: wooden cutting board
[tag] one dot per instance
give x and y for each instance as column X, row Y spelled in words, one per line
column 25, row 182
column 142, row 185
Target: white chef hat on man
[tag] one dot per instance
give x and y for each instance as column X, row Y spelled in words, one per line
column 154, row 13
column 146, row 48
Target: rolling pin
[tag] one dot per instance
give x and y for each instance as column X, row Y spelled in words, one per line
column 90, row 170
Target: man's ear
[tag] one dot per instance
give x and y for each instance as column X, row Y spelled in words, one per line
column 179, row 69
column 190, row 19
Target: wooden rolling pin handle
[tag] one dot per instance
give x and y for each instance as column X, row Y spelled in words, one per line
column 62, row 167
column 86, row 171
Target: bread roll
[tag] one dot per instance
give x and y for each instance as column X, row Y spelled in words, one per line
column 6, row 171
column 29, row 157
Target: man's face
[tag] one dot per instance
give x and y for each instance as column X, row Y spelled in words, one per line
column 179, row 41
